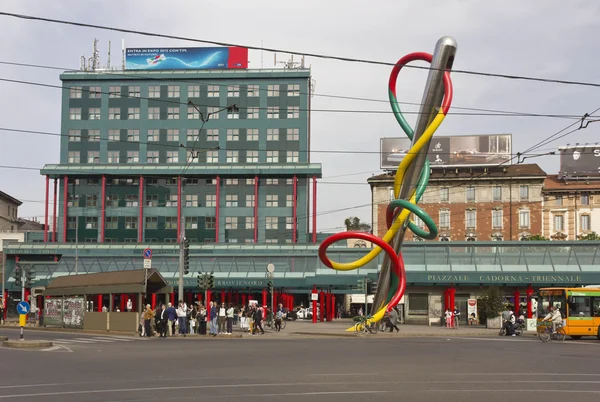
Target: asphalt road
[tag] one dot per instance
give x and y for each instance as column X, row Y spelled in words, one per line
column 329, row 369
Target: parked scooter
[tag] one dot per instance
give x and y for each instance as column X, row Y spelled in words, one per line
column 518, row 328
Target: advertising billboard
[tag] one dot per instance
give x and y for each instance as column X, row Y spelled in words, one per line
column 186, row 58
column 578, row 160
column 450, row 151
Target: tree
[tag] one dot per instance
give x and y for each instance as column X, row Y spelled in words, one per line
column 354, row 223
column 536, row 237
column 589, row 236
column 490, row 305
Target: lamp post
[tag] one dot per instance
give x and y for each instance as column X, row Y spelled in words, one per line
column 270, row 276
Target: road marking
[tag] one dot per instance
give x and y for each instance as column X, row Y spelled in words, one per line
column 94, row 340
column 114, row 339
column 69, row 341
column 512, row 339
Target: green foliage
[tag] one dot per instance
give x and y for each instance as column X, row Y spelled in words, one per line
column 536, row 237
column 490, row 305
column 353, row 223
column 590, row 236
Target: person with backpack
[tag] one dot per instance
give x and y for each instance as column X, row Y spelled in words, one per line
column 258, row 316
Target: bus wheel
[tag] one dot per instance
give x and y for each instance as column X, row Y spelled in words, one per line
column 576, row 337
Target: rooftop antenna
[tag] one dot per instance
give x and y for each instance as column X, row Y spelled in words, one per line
column 108, row 58
column 95, row 55
column 123, row 53
column 82, row 63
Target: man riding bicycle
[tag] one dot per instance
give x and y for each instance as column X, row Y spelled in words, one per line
column 555, row 317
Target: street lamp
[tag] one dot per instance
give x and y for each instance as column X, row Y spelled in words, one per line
column 270, row 276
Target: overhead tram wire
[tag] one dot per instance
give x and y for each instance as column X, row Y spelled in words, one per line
column 299, row 53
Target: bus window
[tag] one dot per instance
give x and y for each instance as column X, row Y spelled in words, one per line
column 554, row 298
column 596, row 307
column 579, row 306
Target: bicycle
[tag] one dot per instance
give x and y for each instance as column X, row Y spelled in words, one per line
column 363, row 326
column 546, row 333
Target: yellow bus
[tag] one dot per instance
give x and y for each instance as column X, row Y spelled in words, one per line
column 580, row 309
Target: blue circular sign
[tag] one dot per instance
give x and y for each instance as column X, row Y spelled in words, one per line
column 147, row 254
column 23, row 307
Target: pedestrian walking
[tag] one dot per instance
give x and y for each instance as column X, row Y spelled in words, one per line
column 148, row 315
column 213, row 318
column 229, row 313
column 393, row 320
column 171, row 318
column 222, row 318
column 456, row 316
column 448, row 315
column 201, row 318
column 181, row 318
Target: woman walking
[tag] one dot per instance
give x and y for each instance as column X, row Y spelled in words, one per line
column 229, row 313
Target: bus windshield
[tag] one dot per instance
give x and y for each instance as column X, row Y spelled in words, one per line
column 552, row 298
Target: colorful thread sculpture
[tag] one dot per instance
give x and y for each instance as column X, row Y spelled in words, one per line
column 401, row 209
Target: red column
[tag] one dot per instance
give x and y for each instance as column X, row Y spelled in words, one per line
column 217, row 209
column 517, row 296
column 236, row 298
column 255, row 209
column 230, row 297
column 328, row 304
column 264, row 297
column 141, row 218
column 179, row 203
column 222, row 297
column 333, row 309
column 243, row 299
column 208, row 295
column 46, row 209
column 529, row 294
column 153, row 301
column 314, row 304
column 294, row 211
column 190, row 299
column 65, row 207
column 321, row 305
column 99, row 303
column 54, row 228
column 123, row 302
column 103, row 209
column 451, row 293
column 199, row 298
column 172, row 298
column 314, row 235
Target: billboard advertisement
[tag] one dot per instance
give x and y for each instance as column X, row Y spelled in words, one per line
column 579, row 160
column 186, row 58
column 464, row 150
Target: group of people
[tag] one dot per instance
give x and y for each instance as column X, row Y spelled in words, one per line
column 452, row 317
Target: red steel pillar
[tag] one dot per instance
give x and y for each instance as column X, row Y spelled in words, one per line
column 218, row 209
column 314, row 224
column 172, row 298
column 264, row 297
column 153, row 301
column 123, row 302
column 99, row 303
column 54, row 228
column 208, row 295
column 451, row 293
column 103, row 209
column 517, row 296
column 65, row 207
column 199, row 297
column 333, row 310
column 46, row 209
column 321, row 305
column 230, row 296
column 529, row 307
column 190, row 299
column 446, row 302
column 314, row 304
column 141, row 218
column 179, row 202
column 222, row 296
column 243, row 299
column 294, row 211
column 328, row 304
column 255, row 209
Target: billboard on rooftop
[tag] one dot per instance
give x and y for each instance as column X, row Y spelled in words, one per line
column 186, row 58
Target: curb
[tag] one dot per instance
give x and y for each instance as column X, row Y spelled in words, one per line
column 3, row 338
column 70, row 330
column 27, row 344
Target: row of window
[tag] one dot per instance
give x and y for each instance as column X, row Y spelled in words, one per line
column 192, row 135
column 471, row 219
column 191, row 222
column 470, row 193
column 173, row 240
column 173, row 157
column 583, row 199
column 191, row 200
column 174, row 91
column 172, row 181
column 585, row 222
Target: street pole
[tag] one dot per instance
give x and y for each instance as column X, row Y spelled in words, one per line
column 180, row 269
column 3, row 279
column 366, row 295
column 76, row 244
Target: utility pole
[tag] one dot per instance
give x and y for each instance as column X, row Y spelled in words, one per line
column 76, row 244
column 180, row 290
column 271, row 286
column 366, row 289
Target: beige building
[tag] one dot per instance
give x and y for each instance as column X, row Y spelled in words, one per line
column 8, row 212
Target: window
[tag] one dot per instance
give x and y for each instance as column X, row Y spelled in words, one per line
column 271, row 222
column 72, row 201
column 233, row 91
column 151, row 222
column 231, row 222
column 114, row 113
column 272, row 134
column 418, row 303
column 444, row 194
column 293, row 112
column 95, row 92
column 113, row 157
column 471, row 219
column 114, row 135
column 93, row 135
column 272, row 112
column 252, row 113
column 171, row 200
column 171, row 222
column 293, row 134
column 289, row 200
column 231, row 200
column 173, row 91
column 94, row 113
column 445, row 219
column 133, row 113
column 152, row 157
column 112, row 222
column 112, row 200
column 91, row 200
column 134, row 92
column 173, row 135
column 212, row 157
column 193, row 135
column 497, row 219
column 272, row 200
column 252, row 134
column 418, row 221
column 580, row 306
column 251, row 156
column 558, row 200
column 75, row 92
column 153, row 113
column 211, row 200
column 213, row 112
column 152, row 200
column 558, row 222
column 73, row 157
column 233, row 112
column 131, row 200
column 133, row 157
column 272, row 182
column 75, row 113
column 232, row 156
column 273, row 90
column 272, row 156
column 232, row 182
column 292, row 157
column 470, row 194
column 93, row 157
column 253, row 91
column 133, row 135
column 74, row 135
column 585, row 222
column 233, row 134
column 289, row 222
column 293, row 90
column 194, row 91
column 213, row 91
column 153, row 135
column 193, row 113
column 131, row 222
column 191, row 222
column 173, row 113
column 172, row 156
column 154, row 91
column 524, row 193
column 212, row 134
column 584, row 199
column 249, row 222
column 523, row 219
column 91, row 222
column 250, row 200
column 210, row 222
column 497, row 193
column 191, row 200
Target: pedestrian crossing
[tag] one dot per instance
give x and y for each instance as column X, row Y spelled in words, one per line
column 95, row 340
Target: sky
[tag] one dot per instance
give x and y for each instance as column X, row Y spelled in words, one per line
column 544, row 38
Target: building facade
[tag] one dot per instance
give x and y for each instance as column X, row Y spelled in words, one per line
column 571, row 207
column 473, row 204
column 9, row 207
column 221, row 156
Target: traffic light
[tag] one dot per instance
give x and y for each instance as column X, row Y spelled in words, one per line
column 369, row 287
column 200, row 282
column 361, row 284
column 270, row 286
column 186, row 256
column 18, row 275
column 29, row 277
column 211, row 280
